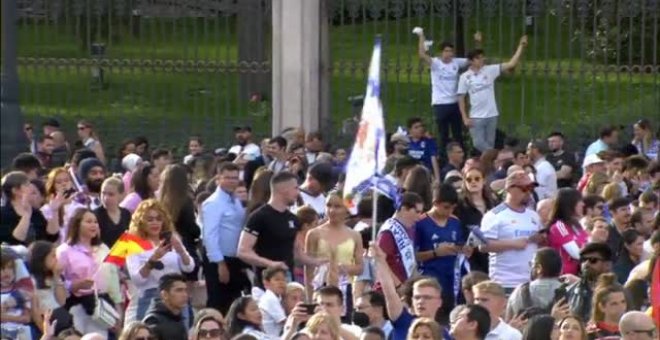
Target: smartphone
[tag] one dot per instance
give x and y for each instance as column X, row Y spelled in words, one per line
column 69, row 192
column 166, row 236
column 310, row 308
column 560, row 293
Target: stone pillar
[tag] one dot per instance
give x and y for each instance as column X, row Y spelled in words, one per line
column 296, row 64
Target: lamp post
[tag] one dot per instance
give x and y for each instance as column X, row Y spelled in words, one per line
column 12, row 138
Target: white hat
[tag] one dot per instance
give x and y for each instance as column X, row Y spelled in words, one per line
column 591, row 159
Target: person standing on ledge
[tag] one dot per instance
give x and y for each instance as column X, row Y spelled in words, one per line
column 445, row 70
column 479, row 83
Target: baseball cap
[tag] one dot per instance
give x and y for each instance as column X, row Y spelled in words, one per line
column 591, row 159
column 519, row 179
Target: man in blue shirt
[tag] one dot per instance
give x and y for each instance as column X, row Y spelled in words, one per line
column 222, row 218
column 423, row 148
column 439, row 239
column 426, row 298
column 609, row 136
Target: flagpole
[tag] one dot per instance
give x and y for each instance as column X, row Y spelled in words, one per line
column 374, row 214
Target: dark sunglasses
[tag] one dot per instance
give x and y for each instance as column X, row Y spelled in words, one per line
column 592, row 260
column 210, row 333
column 82, row 127
column 473, row 179
column 28, row 128
column 524, row 189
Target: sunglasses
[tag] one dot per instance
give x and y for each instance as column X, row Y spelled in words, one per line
column 592, row 260
column 473, row 179
column 524, row 189
column 28, row 128
column 82, row 127
column 210, row 333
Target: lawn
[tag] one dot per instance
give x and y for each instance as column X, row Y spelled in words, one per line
column 548, row 91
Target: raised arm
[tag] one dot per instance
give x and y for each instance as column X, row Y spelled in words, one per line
column 513, row 62
column 421, row 48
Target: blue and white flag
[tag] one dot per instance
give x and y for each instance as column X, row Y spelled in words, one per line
column 367, row 161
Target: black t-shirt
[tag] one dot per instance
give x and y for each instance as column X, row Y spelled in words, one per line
column 276, row 233
column 110, row 231
column 564, row 159
column 37, row 230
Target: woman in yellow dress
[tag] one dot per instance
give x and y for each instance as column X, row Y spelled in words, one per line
column 337, row 243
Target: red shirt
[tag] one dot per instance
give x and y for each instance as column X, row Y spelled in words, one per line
column 561, row 234
column 387, row 244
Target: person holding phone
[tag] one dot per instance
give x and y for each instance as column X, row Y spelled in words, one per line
column 61, row 203
column 439, row 242
column 166, row 255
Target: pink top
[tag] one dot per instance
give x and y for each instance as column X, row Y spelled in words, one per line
column 561, row 234
column 127, row 178
column 131, row 202
column 79, row 262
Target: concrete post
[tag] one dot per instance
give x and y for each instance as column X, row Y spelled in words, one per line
column 296, row 64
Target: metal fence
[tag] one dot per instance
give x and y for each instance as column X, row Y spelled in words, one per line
column 167, row 69
column 588, row 62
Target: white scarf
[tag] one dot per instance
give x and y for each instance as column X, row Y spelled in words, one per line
column 403, row 243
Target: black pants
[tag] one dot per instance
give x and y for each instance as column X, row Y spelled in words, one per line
column 221, row 295
column 448, row 116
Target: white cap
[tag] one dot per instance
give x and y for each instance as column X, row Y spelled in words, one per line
column 591, row 159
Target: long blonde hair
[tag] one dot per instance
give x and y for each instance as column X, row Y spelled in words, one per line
column 139, row 220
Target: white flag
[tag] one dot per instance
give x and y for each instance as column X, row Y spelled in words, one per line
column 367, row 160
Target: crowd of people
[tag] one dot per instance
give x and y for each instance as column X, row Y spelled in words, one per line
column 254, row 241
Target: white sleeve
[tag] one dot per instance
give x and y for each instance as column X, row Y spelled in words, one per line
column 572, row 249
column 461, row 62
column 273, row 308
column 490, row 226
column 494, row 70
column 462, row 84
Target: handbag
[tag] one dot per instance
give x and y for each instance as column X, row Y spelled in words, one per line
column 104, row 312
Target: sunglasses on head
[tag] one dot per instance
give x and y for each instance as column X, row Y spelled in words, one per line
column 210, row 333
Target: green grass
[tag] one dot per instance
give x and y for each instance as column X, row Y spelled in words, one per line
column 546, row 92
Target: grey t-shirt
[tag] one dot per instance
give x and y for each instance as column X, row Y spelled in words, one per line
column 542, row 293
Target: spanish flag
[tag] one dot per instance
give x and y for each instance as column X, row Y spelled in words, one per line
column 655, row 292
column 126, row 245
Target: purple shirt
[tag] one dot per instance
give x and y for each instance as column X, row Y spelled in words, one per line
column 131, row 202
column 79, row 262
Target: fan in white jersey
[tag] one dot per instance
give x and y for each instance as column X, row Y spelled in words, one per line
column 512, row 232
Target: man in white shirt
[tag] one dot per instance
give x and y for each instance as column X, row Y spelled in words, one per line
column 444, row 79
column 546, row 176
column 512, row 233
column 245, row 150
column 479, row 83
column 277, row 146
column 491, row 296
